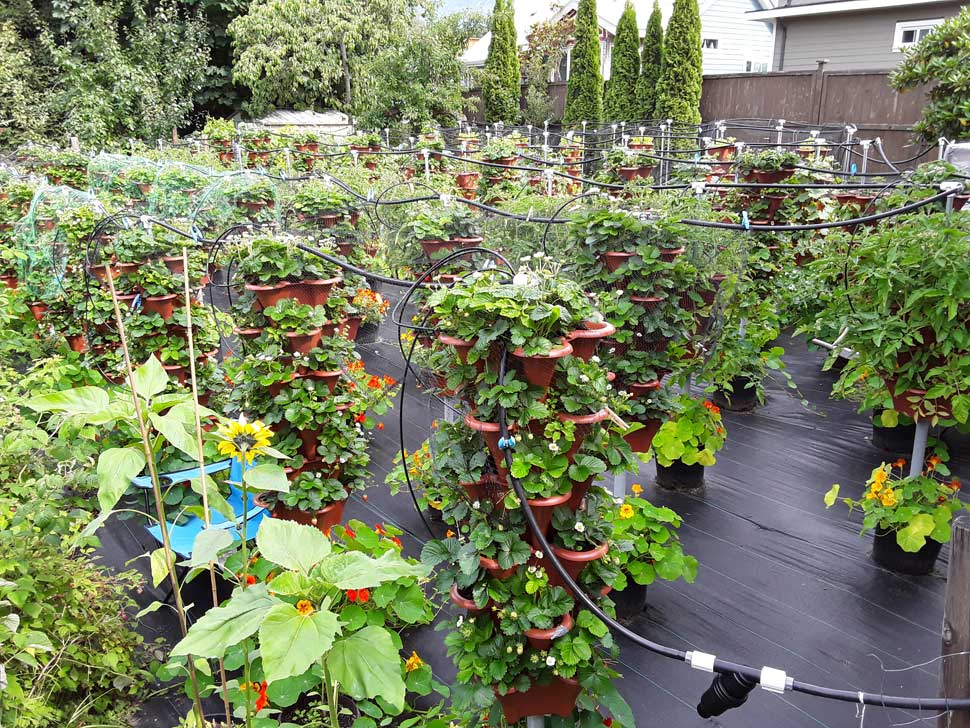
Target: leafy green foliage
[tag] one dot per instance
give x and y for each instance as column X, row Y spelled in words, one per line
column 651, row 61
column 939, row 61
column 501, row 75
column 584, row 94
column 679, row 86
column 620, row 103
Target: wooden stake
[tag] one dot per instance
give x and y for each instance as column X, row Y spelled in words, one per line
column 206, row 516
column 156, row 488
column 955, row 670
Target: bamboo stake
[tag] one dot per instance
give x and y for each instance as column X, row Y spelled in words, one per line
column 206, row 516
column 156, row 488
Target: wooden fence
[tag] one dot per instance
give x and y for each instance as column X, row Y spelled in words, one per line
column 862, row 98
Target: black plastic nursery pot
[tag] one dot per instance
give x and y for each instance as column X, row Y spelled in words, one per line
column 679, row 476
column 744, row 398
column 896, row 440
column 630, row 601
column 886, row 552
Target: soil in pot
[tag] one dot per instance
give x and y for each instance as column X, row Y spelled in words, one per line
column 678, row 476
column 744, row 398
column 886, row 552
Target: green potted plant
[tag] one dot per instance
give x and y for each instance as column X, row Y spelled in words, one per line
column 648, row 548
column 630, row 164
column 768, row 166
column 910, row 515
column 686, row 443
column 160, row 289
column 501, row 150
column 300, row 326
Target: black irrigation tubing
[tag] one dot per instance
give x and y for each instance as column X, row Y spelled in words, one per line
column 823, row 225
column 720, row 666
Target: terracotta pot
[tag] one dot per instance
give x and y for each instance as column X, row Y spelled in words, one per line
column 584, row 425
column 177, row 371
column 669, row 255
column 490, row 433
column 269, row 295
column 324, row 519
column 164, row 306
column 504, row 161
column 127, row 268
column 346, row 249
column 557, row 698
column 585, row 341
column 769, row 178
column 303, row 343
column 640, row 389
column 648, row 303
column 490, row 488
column 174, row 263
column 350, row 327
column 540, row 369
column 314, row 292
column 309, row 439
column 331, row 378
column 579, row 492
column 492, row 567
column 248, row 334
column 78, row 343
column 472, row 242
column 641, row 440
column 467, row 180
column 430, row 247
column 632, row 173
column 461, row 345
column 613, row 259
column 541, row 639
column 102, row 273
column 10, row 281
column 542, row 509
column 467, row 604
column 574, row 562
column 39, row 310
column 903, row 402
column 144, row 187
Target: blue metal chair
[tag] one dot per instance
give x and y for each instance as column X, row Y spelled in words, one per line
column 182, row 536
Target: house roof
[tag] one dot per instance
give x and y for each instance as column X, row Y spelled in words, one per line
column 530, row 12
column 834, row 6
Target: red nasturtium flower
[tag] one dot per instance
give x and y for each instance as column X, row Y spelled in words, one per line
column 360, row 418
column 349, row 533
column 262, row 701
column 380, row 425
column 397, row 542
column 379, row 528
column 358, row 595
column 374, row 382
column 607, row 722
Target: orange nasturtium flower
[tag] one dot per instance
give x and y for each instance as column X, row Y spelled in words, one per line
column 889, row 497
column 626, row 511
column 413, row 662
column 304, row 607
column 636, row 489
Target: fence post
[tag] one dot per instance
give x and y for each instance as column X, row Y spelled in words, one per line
column 818, row 87
column 955, row 671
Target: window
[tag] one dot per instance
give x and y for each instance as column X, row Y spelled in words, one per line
column 755, row 67
column 709, row 43
column 911, row 32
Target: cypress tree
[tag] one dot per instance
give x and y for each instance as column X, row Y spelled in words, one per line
column 620, row 103
column 681, row 78
column 501, row 76
column 650, row 64
column 584, row 93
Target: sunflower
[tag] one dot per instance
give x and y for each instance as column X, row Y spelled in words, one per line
column 242, row 438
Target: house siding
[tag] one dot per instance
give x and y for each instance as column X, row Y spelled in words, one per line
column 739, row 40
column 849, row 41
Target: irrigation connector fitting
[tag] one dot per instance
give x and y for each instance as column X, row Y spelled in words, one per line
column 506, row 443
column 727, row 691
